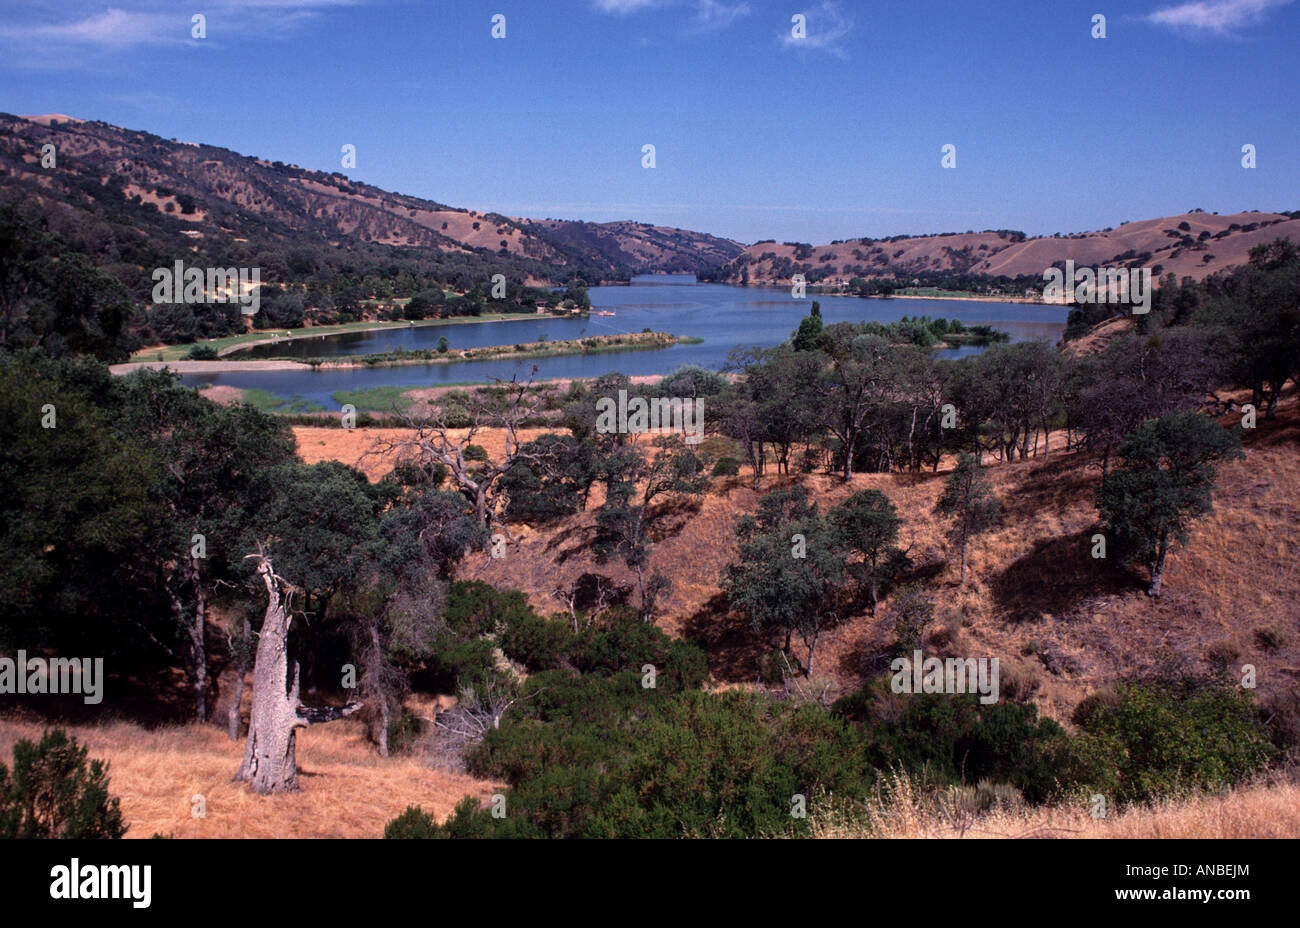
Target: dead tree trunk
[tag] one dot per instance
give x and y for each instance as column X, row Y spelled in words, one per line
column 269, row 764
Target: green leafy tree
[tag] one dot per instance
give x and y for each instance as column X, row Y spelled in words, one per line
column 790, row 570
column 623, row 522
column 213, row 454
column 80, row 513
column 551, row 480
column 969, row 501
column 1257, row 309
column 809, row 331
column 1165, row 483
column 868, row 523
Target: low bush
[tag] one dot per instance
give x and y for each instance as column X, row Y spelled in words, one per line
column 54, row 792
column 1141, row 743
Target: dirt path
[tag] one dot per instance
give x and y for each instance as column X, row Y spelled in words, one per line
column 206, row 367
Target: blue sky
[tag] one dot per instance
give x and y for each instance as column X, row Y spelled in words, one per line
column 757, row 134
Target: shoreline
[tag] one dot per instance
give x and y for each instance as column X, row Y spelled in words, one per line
column 325, row 331
column 814, row 290
column 227, row 394
column 641, row 341
column 961, row 299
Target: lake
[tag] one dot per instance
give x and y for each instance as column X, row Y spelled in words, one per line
column 723, row 316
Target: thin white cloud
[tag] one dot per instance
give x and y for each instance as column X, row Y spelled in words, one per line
column 712, row 14
column 709, row 14
column 86, row 26
column 827, row 27
column 1221, row 17
column 113, row 28
column 628, row 6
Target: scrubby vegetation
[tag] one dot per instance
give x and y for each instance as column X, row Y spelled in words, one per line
column 54, row 792
column 143, row 519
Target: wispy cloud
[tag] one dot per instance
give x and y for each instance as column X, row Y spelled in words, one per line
column 629, row 6
column 113, row 28
column 827, row 27
column 65, row 35
column 712, row 14
column 1220, row 17
column 709, row 14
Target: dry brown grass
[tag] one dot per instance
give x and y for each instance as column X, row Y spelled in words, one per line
column 903, row 811
column 347, row 790
column 354, row 446
column 1062, row 624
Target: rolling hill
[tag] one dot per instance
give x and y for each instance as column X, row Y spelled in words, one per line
column 203, row 192
column 1208, row 243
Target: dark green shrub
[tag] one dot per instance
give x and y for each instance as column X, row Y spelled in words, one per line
column 403, row 732
column 726, row 467
column 535, row 642
column 54, row 793
column 477, row 608
column 413, row 823
column 201, row 353
column 456, row 664
column 602, row 757
column 624, row 642
column 1142, row 743
column 954, row 739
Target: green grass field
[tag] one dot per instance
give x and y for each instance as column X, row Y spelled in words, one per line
column 267, row 401
column 376, row 399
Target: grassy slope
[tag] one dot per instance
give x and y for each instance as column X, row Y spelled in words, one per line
column 348, row 791
column 1031, row 581
column 1033, row 586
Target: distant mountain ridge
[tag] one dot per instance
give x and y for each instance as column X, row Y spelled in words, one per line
column 210, row 190
column 1193, row 244
column 183, row 194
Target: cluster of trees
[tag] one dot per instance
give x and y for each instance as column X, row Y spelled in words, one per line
column 793, row 575
column 946, row 280
column 82, row 283
column 857, row 397
column 869, row 397
column 798, row 572
column 1246, row 318
column 136, row 507
column 55, row 301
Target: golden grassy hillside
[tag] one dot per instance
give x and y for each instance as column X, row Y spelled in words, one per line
column 347, row 790
column 995, row 254
column 1062, row 623
column 901, row 810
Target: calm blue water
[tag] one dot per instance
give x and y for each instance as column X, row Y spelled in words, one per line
column 724, row 316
